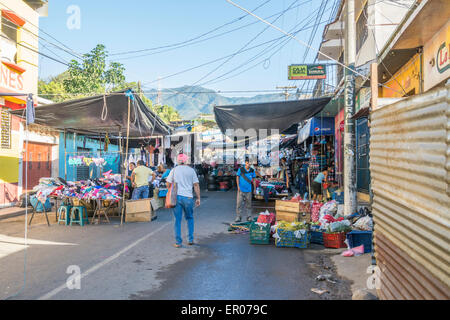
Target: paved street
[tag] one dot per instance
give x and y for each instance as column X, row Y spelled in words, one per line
column 137, row 261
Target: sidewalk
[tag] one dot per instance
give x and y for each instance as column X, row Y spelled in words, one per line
column 10, row 212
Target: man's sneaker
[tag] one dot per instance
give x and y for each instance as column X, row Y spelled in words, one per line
column 177, row 245
column 238, row 219
column 249, row 219
column 191, row 243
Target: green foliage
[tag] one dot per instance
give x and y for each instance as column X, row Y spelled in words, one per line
column 91, row 75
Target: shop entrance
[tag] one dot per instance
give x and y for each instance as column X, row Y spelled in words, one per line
column 37, row 158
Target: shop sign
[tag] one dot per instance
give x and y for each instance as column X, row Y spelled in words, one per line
column 307, row 71
column 10, row 79
column 437, row 58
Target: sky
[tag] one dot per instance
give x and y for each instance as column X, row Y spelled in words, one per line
column 132, row 25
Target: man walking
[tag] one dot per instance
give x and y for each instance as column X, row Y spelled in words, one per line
column 139, row 179
column 245, row 179
column 186, row 179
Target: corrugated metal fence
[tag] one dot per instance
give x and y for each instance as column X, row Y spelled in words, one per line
column 410, row 168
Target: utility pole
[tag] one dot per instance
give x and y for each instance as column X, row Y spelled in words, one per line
column 286, row 94
column 350, row 200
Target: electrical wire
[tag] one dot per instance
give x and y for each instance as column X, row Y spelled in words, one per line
column 304, row 44
column 203, row 40
column 268, row 49
column 43, row 31
column 243, row 47
column 192, row 39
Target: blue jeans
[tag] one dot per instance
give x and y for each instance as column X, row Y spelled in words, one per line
column 187, row 205
column 140, row 193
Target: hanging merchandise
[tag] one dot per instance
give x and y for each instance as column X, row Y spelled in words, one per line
column 107, row 142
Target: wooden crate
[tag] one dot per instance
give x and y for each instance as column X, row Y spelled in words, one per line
column 287, row 206
column 139, row 211
column 287, row 216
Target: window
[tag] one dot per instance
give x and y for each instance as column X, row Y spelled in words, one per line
column 361, row 28
column 5, row 127
column 8, row 41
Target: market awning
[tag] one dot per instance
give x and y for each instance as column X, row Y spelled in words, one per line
column 317, row 126
column 101, row 114
column 271, row 115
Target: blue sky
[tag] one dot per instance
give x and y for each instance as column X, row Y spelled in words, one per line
column 140, row 24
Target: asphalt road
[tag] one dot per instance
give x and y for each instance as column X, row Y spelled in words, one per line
column 138, row 261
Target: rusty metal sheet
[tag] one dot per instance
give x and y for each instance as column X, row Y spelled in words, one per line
column 410, row 170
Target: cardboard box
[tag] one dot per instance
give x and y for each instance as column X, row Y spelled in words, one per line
column 139, row 211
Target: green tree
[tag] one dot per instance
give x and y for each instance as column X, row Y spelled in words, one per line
column 92, row 76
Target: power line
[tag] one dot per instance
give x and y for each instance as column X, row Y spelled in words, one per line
column 203, row 40
column 268, row 49
column 243, row 47
column 43, row 31
column 192, row 39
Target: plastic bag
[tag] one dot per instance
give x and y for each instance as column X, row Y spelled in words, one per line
column 364, row 223
column 340, row 226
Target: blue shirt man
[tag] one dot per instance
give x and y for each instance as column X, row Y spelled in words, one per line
column 245, row 186
column 244, row 196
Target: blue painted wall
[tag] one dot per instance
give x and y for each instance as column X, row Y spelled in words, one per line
column 72, row 145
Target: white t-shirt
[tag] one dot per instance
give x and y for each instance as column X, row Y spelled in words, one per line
column 185, row 177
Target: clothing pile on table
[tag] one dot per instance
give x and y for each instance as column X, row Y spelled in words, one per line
column 107, row 188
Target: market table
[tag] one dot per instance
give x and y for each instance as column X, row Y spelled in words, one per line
column 100, row 209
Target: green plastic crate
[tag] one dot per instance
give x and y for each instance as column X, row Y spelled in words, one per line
column 259, row 235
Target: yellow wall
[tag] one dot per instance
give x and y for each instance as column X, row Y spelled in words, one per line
column 404, row 80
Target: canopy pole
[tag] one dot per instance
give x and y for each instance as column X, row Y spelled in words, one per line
column 65, row 156
column 126, row 159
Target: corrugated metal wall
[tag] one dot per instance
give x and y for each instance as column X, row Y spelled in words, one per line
column 410, row 169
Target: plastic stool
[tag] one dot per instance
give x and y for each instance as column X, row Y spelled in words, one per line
column 64, row 209
column 82, row 215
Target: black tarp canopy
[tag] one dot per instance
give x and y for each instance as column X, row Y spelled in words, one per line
column 271, row 115
column 102, row 114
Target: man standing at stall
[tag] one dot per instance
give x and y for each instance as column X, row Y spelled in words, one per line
column 244, row 180
column 186, row 180
column 139, row 179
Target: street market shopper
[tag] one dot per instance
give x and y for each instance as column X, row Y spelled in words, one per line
column 139, row 179
column 317, row 184
column 244, row 180
column 186, row 179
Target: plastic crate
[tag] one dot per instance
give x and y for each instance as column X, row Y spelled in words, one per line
column 316, row 237
column 288, row 239
column 334, row 240
column 259, row 234
column 356, row 238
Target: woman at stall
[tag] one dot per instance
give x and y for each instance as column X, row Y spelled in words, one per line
column 317, row 184
column 131, row 167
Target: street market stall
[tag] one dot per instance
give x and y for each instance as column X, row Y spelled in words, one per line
column 118, row 117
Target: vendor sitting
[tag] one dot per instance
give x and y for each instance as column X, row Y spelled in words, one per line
column 139, row 179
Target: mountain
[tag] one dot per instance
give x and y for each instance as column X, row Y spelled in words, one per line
column 192, row 101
